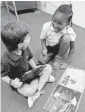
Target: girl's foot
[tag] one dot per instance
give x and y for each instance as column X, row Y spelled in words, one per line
column 59, row 63
column 63, row 66
column 56, row 65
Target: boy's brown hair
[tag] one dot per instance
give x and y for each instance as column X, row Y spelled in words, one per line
column 14, row 33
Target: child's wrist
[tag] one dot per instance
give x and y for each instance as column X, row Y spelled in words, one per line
column 10, row 81
column 45, row 48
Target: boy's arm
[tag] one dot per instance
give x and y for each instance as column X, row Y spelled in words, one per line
column 71, row 52
column 5, row 69
column 13, row 82
column 6, row 79
column 30, row 58
column 32, row 63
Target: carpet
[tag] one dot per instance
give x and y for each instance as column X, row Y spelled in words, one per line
column 13, row 102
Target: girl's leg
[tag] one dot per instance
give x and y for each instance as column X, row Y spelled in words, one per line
column 45, row 59
column 64, row 45
column 28, row 89
column 63, row 48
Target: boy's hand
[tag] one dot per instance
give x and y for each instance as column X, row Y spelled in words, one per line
column 44, row 52
column 16, row 83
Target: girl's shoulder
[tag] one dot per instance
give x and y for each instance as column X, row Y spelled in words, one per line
column 70, row 30
column 47, row 25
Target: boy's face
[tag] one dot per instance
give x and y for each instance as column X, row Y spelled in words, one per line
column 26, row 42
column 59, row 21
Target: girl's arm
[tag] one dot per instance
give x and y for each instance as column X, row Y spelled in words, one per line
column 71, row 52
column 43, row 43
column 44, row 49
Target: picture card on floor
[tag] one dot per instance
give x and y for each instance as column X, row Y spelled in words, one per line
column 68, row 92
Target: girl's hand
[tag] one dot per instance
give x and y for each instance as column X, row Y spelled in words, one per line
column 16, row 83
column 44, row 52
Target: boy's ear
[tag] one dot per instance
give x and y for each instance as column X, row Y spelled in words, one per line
column 20, row 45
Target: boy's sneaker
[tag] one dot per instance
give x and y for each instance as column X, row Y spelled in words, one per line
column 51, row 79
column 32, row 99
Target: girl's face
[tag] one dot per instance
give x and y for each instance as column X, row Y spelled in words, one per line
column 59, row 21
column 26, row 42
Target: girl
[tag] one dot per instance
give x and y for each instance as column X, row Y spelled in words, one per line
column 58, row 38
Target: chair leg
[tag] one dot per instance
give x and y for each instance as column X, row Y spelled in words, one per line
column 15, row 10
column 8, row 10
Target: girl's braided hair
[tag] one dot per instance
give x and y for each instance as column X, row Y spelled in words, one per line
column 66, row 9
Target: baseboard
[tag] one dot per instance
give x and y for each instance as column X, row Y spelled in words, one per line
column 22, row 11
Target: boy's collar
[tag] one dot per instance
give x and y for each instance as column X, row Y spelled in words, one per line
column 14, row 56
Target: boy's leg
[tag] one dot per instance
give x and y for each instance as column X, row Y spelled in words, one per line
column 28, row 89
column 44, row 76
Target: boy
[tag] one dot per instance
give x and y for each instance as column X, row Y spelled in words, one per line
column 18, row 60
column 57, row 38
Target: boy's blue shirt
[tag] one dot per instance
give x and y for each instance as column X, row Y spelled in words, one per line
column 14, row 65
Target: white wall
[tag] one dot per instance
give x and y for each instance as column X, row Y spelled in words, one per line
column 79, row 13
column 78, row 9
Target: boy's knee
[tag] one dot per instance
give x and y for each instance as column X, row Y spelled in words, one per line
column 27, row 93
column 48, row 68
column 66, row 39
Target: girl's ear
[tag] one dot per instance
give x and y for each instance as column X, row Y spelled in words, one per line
column 20, row 45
